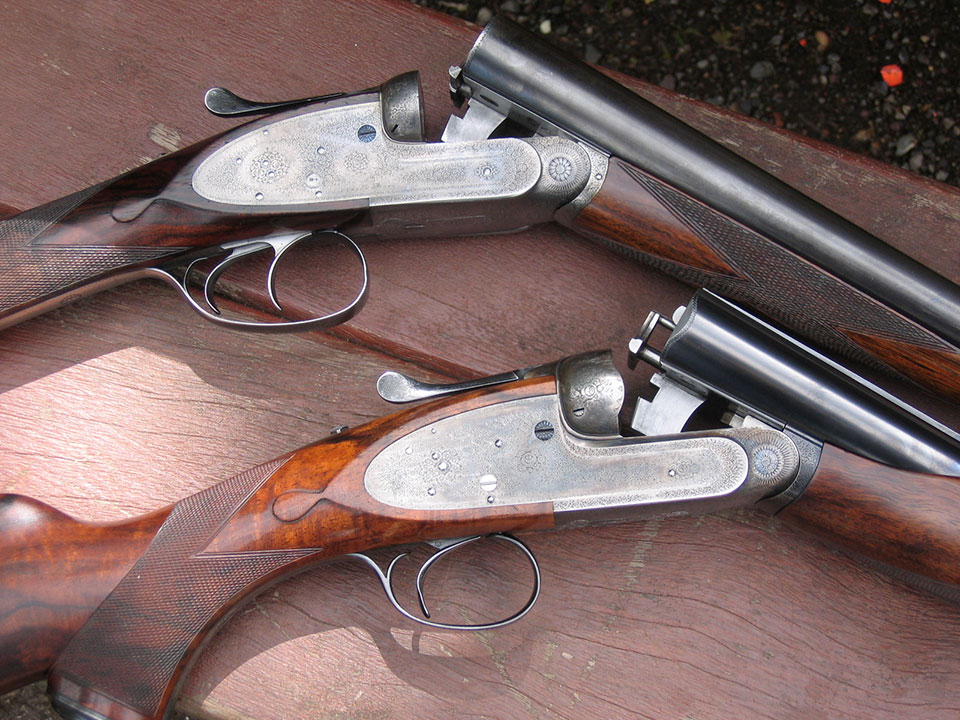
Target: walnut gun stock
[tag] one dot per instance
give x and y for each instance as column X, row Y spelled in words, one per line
column 679, row 200
column 113, row 614
column 545, row 138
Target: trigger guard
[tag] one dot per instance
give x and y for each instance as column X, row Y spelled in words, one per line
column 386, row 580
column 318, row 323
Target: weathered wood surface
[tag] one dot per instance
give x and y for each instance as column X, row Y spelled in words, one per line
column 126, row 402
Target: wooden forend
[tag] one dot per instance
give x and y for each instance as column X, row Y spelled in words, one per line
column 125, row 403
column 691, row 241
column 900, row 518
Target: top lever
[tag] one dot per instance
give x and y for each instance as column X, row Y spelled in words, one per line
column 227, row 103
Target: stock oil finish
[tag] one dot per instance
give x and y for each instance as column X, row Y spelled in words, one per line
column 56, row 571
column 601, row 160
column 215, row 549
column 717, row 220
column 902, row 519
column 148, row 593
column 645, row 217
column 111, row 233
column 127, row 658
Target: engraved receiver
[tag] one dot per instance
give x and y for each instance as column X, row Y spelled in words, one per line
column 114, row 614
column 543, row 138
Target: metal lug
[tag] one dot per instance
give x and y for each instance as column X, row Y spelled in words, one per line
column 478, row 123
column 669, row 410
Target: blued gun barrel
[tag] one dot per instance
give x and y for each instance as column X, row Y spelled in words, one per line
column 514, row 71
column 718, row 346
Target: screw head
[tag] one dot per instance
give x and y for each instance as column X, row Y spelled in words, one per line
column 543, row 430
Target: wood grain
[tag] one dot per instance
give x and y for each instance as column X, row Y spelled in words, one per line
column 689, row 240
column 732, row 608
column 126, row 403
column 933, row 364
column 217, row 548
column 104, row 234
column 899, row 518
column 55, row 572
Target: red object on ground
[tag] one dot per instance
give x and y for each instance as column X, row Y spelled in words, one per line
column 892, row 74
column 787, row 614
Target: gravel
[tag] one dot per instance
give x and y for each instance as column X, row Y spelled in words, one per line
column 811, row 67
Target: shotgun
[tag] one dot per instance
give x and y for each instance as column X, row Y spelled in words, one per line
column 544, row 139
column 113, row 614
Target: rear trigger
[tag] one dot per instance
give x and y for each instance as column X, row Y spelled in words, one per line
column 280, row 246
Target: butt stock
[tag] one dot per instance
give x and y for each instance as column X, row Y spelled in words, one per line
column 116, row 613
column 56, row 571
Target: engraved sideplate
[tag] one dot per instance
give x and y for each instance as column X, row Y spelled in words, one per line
column 343, row 154
column 519, row 452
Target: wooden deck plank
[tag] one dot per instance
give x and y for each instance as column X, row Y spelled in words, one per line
column 126, row 401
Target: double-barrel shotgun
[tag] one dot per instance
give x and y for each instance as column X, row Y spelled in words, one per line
column 544, row 138
column 113, row 614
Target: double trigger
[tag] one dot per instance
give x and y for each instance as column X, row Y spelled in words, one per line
column 181, row 277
